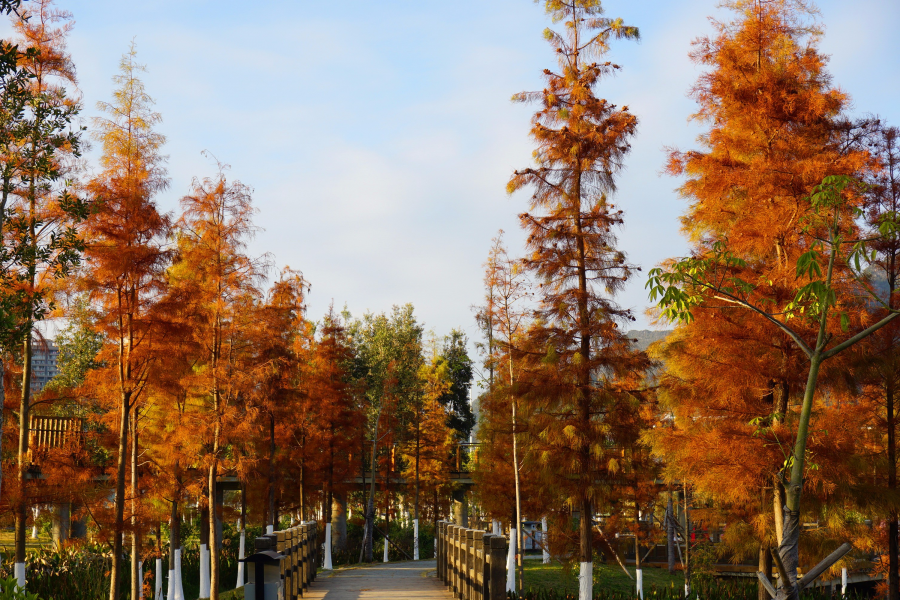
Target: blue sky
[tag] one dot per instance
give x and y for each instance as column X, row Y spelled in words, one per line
column 379, row 134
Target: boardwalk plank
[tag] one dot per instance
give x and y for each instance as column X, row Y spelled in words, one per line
column 391, row 581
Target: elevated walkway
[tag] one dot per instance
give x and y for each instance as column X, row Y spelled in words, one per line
column 380, row 581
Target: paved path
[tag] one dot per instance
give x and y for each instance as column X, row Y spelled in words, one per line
column 391, row 581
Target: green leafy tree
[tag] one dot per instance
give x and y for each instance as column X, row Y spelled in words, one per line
column 41, row 223
column 78, row 344
column 460, row 417
column 388, row 356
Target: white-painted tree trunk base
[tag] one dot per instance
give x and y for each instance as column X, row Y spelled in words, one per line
column 19, row 574
column 270, row 529
column 495, row 524
column 35, row 512
column 844, row 582
column 511, row 562
column 328, row 565
column 242, row 545
column 140, row 580
column 157, row 584
column 687, row 590
column 170, row 589
column 546, row 560
column 204, row 571
column 415, row 539
column 385, row 549
column 586, row 581
column 179, row 585
column 639, row 583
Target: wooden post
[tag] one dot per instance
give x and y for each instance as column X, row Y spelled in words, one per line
column 311, row 554
column 314, row 550
column 439, row 532
column 282, row 548
column 451, row 559
column 454, row 539
column 303, row 567
column 470, row 564
column 295, row 552
column 498, row 568
column 478, row 574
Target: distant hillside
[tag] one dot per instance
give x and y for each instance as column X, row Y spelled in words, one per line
column 645, row 337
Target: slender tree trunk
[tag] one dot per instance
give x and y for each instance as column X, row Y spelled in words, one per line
column 213, row 533
column 515, row 448
column 789, row 549
column 272, row 472
column 114, row 574
column 670, row 534
column 24, row 426
column 2, row 397
column 418, row 444
column 174, row 531
column 329, row 496
column 893, row 580
column 136, row 580
column 687, row 543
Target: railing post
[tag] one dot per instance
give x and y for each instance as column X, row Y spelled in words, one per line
column 478, row 573
column 498, row 568
column 446, row 553
column 310, row 554
column 295, row 549
column 460, row 562
column 437, row 554
column 454, row 560
column 315, row 534
column 281, row 547
column 470, row 564
column 302, row 567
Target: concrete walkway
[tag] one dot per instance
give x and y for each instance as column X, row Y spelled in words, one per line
column 390, row 581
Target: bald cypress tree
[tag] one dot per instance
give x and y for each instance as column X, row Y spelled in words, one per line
column 581, row 353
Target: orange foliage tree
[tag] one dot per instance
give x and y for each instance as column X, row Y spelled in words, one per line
column 766, row 253
column 217, row 281
column 127, row 258
column 579, row 352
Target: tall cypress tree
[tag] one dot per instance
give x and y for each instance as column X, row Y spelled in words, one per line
column 581, row 144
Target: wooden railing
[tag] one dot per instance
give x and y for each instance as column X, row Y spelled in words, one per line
column 54, row 432
column 300, row 548
column 472, row 563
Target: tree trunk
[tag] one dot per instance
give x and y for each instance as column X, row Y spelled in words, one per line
column 789, row 549
column 687, row 543
column 213, row 533
column 271, row 486
column 893, row 580
column 24, row 426
column 2, row 399
column 670, row 535
column 174, row 539
column 339, row 521
column 114, row 571
column 136, row 579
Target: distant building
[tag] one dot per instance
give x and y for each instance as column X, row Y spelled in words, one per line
column 43, row 363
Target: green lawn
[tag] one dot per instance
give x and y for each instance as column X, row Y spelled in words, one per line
column 8, row 541
column 607, row 577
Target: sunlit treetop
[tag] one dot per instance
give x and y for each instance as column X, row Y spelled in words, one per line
column 587, row 31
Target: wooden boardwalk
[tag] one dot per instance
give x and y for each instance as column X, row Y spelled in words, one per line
column 383, row 581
